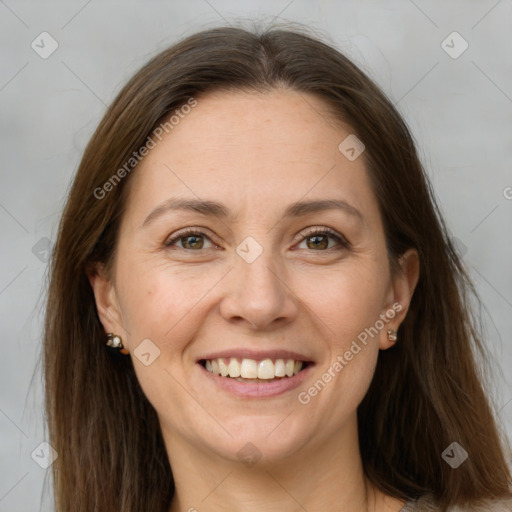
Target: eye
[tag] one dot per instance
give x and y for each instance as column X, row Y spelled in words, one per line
column 191, row 239
column 318, row 239
column 315, row 238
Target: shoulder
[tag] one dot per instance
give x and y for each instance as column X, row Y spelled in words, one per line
column 428, row 504
column 498, row 505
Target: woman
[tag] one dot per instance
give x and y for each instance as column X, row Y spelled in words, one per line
column 254, row 303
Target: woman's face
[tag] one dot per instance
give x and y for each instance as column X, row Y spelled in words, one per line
column 258, row 282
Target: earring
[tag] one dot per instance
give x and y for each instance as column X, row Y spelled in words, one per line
column 115, row 341
column 392, row 335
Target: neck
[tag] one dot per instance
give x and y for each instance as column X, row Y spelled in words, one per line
column 323, row 476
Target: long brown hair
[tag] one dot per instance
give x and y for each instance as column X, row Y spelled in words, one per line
column 427, row 391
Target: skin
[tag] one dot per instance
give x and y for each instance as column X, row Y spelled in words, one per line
column 256, row 153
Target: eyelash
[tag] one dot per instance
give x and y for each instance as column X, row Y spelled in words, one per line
column 345, row 244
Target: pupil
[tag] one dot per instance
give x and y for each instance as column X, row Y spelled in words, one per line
column 195, row 244
column 323, row 243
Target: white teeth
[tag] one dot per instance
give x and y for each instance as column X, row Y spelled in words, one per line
column 234, row 367
column 223, row 367
column 252, row 369
column 249, row 369
column 280, row 369
column 266, row 369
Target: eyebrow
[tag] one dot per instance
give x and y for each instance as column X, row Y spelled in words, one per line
column 220, row 211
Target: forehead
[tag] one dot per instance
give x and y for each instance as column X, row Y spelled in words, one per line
column 250, row 150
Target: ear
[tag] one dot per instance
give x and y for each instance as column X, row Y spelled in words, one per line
column 107, row 304
column 403, row 284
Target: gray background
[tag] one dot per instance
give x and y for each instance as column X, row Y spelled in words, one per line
column 459, row 110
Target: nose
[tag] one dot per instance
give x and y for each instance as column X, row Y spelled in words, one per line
column 259, row 294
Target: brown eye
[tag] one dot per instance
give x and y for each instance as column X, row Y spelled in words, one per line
column 190, row 240
column 318, row 240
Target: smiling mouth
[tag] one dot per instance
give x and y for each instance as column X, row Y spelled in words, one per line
column 252, row 370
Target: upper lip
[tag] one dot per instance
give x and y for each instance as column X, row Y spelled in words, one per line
column 258, row 355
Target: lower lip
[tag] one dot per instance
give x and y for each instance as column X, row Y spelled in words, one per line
column 257, row 389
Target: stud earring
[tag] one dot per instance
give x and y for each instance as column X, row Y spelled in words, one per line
column 392, row 335
column 115, row 341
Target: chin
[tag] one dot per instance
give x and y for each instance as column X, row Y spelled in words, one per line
column 270, row 440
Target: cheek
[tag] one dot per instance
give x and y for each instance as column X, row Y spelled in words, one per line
column 349, row 301
column 350, row 310
column 160, row 302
